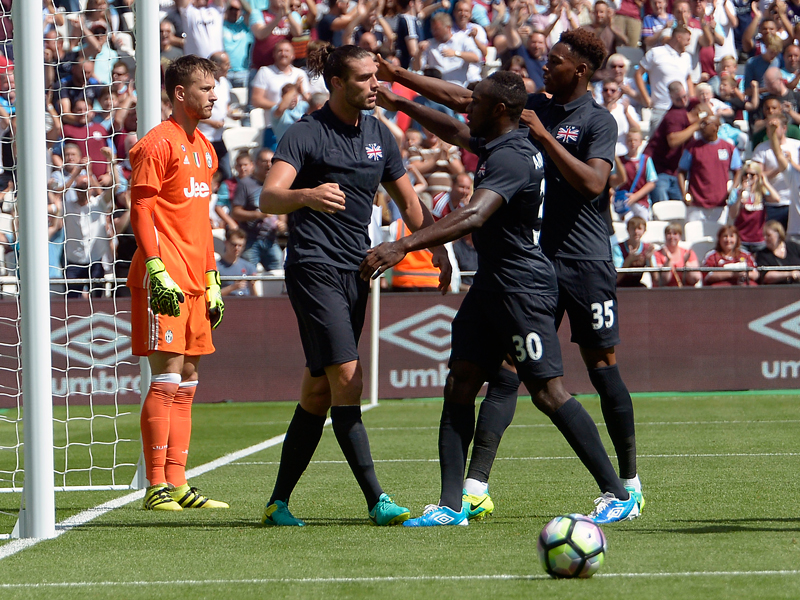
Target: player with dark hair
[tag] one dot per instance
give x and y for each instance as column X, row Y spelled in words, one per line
column 324, row 174
column 175, row 286
column 510, row 308
column 577, row 136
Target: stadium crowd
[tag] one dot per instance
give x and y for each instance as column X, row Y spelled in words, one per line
column 704, row 94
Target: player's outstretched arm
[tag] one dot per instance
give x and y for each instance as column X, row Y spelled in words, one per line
column 457, row 224
column 445, row 127
column 278, row 199
column 589, row 177
column 451, row 95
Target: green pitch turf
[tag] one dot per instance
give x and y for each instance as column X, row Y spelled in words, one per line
column 721, row 521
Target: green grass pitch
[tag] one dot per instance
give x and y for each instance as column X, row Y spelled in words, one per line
column 721, row 521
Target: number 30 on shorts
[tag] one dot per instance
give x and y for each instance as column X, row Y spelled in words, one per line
column 602, row 314
column 531, row 347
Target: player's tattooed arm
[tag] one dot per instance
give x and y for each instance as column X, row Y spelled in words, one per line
column 445, row 127
column 589, row 177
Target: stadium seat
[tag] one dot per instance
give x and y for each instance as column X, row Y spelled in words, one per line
column 258, row 118
column 702, row 248
column 239, row 138
column 655, row 232
column 621, row 231
column 700, row 231
column 239, row 95
column 670, row 210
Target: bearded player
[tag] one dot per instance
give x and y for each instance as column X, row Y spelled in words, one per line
column 175, row 286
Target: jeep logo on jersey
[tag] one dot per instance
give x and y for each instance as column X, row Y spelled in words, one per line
column 196, row 189
column 782, row 325
column 97, row 340
column 426, row 333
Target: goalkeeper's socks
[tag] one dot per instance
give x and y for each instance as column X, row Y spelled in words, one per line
column 456, row 429
column 615, row 400
column 180, row 432
column 352, row 437
column 577, row 427
column 302, row 438
column 154, row 422
column 494, row 417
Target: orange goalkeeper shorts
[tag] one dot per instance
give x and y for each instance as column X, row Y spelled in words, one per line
column 188, row 334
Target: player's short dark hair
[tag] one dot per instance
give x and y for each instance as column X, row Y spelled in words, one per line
column 508, row 88
column 180, row 71
column 323, row 59
column 586, row 45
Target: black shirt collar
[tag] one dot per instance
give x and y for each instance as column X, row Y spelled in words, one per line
column 330, row 117
column 577, row 103
column 521, row 133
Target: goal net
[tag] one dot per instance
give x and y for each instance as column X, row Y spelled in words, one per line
column 90, row 124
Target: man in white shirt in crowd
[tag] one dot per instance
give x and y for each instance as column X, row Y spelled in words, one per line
column 663, row 65
column 450, row 53
column 269, row 82
column 764, row 155
column 462, row 24
column 202, row 23
column 213, row 127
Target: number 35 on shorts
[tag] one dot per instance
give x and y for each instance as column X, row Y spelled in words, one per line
column 528, row 347
column 602, row 315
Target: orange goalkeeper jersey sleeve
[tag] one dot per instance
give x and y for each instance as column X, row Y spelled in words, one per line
column 171, row 190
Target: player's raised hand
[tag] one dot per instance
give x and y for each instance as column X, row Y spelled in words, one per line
column 385, row 69
column 327, row 198
column 442, row 262
column 380, row 258
column 531, row 120
column 165, row 295
column 387, row 99
column 213, row 295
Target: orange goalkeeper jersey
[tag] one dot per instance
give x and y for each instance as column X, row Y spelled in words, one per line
column 170, row 191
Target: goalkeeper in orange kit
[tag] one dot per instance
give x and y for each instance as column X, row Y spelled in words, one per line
column 175, row 286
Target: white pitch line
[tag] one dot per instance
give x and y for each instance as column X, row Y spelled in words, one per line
column 387, row 579
column 523, row 458
column 90, row 514
column 602, row 424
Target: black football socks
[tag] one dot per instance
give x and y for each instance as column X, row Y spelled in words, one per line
column 302, row 438
column 352, row 437
column 494, row 417
column 456, row 429
column 577, row 427
column 615, row 401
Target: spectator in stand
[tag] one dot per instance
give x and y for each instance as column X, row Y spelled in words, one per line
column 775, row 86
column 752, row 42
column 236, row 40
column 757, row 66
column 437, row 161
column 628, row 20
column 704, row 37
column 729, row 254
column 168, row 52
column 657, row 27
column 727, row 66
column 213, row 127
column 707, row 165
column 462, row 25
column 270, row 27
column 634, row 180
column 80, row 84
column 676, row 258
column 450, row 53
column 622, row 111
column 667, row 143
column 96, row 46
column 446, row 202
column 764, row 155
column 288, row 110
column 202, row 24
column 87, row 212
column 408, row 32
column 790, row 72
column 332, row 25
column 227, row 189
column 532, row 50
column 724, row 17
column 92, row 138
column 603, row 27
column 787, row 165
column 261, row 228
column 307, row 13
column 663, row 65
column 778, row 252
column 268, row 84
column 618, row 66
column 747, row 206
column 231, row 264
column 633, row 253
column 725, row 113
column 769, row 107
column 731, row 97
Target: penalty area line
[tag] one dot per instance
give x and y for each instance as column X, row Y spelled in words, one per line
column 83, row 517
column 390, row 579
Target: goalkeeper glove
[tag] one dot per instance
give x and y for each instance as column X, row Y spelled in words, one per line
column 165, row 295
column 214, row 298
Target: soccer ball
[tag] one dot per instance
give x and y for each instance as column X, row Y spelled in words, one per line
column 571, row 546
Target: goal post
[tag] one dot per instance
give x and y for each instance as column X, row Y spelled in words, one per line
column 37, row 515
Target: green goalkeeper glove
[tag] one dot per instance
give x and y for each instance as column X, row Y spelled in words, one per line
column 214, row 298
column 165, row 295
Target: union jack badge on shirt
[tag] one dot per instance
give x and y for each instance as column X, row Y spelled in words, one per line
column 481, row 171
column 374, row 152
column 568, row 134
